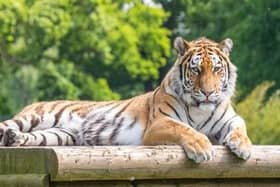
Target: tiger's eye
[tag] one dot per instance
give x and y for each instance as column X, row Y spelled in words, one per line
column 195, row 70
column 217, row 68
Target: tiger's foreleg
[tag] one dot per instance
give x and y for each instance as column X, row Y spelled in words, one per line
column 49, row 137
column 169, row 131
column 234, row 135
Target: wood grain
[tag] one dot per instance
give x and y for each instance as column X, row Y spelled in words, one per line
column 160, row 162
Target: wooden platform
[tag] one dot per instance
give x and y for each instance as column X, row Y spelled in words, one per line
column 135, row 166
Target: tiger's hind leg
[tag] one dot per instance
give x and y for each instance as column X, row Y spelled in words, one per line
column 48, row 137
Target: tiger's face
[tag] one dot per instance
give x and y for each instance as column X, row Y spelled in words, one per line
column 205, row 71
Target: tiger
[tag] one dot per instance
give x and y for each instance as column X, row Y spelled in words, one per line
column 191, row 107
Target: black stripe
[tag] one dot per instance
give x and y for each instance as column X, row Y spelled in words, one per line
column 92, row 123
column 219, row 118
column 19, row 124
column 181, row 71
column 57, row 116
column 116, row 130
column 175, row 98
column 164, row 113
column 67, row 142
column 227, row 63
column 35, row 137
column 96, row 139
column 228, row 70
column 59, row 140
column 34, row 122
column 188, row 114
column 227, row 123
column 1, row 134
column 174, row 110
column 228, row 130
column 88, row 119
column 211, row 116
column 184, row 58
column 69, row 134
column 185, row 70
column 99, row 120
column 154, row 95
column 70, row 116
column 196, row 102
column 26, row 139
column 54, row 105
column 132, row 123
column 225, row 82
column 103, row 112
column 184, row 78
column 44, row 141
column 121, row 111
column 95, row 133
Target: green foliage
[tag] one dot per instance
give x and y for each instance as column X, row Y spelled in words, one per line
column 71, row 49
column 262, row 115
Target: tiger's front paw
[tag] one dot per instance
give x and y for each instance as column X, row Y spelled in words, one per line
column 198, row 148
column 239, row 144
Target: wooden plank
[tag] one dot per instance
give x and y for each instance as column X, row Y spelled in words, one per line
column 92, row 184
column 210, row 183
column 160, row 162
column 24, row 160
column 128, row 163
column 24, row 180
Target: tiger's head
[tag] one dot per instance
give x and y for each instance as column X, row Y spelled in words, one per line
column 203, row 74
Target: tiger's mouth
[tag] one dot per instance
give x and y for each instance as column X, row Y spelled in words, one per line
column 205, row 101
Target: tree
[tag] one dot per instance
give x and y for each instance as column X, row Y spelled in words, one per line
column 70, row 49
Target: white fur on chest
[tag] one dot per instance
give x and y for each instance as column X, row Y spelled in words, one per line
column 199, row 115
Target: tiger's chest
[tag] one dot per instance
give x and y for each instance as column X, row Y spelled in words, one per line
column 209, row 121
column 198, row 116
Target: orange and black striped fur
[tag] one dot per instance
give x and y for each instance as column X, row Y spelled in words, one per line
column 191, row 107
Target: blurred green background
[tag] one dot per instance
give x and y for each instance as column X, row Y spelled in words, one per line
column 105, row 49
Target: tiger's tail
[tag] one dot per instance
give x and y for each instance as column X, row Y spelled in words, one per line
column 20, row 132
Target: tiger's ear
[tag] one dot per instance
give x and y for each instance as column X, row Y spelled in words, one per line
column 181, row 45
column 226, row 45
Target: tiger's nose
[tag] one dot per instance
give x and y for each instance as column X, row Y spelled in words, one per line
column 207, row 93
